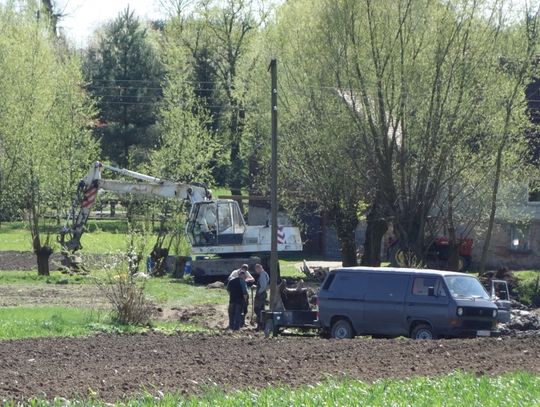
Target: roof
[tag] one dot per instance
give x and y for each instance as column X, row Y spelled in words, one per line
column 402, row 270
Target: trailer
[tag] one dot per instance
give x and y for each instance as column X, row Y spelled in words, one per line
column 275, row 321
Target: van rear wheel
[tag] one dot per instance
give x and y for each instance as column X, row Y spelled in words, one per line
column 342, row 329
column 422, row 331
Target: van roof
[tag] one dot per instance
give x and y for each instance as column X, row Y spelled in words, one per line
column 400, row 270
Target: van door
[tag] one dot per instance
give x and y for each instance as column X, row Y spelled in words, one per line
column 384, row 309
column 421, row 306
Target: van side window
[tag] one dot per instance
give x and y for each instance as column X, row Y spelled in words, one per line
column 421, row 285
column 328, row 281
column 387, row 286
column 349, row 285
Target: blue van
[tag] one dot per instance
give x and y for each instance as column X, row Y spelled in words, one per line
column 390, row 302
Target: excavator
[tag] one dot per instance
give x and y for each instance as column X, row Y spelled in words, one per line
column 215, row 227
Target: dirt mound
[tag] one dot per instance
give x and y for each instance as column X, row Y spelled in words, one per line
column 112, row 367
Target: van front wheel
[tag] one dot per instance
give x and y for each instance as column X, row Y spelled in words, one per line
column 342, row 329
column 422, row 332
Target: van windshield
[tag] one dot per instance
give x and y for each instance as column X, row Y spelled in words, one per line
column 465, row 287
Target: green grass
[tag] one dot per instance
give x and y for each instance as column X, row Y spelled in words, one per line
column 32, row 277
column 289, row 269
column 528, row 288
column 456, row 389
column 527, row 275
column 171, row 328
column 102, row 236
column 173, row 292
column 14, row 236
column 33, row 322
column 54, row 321
column 162, row 290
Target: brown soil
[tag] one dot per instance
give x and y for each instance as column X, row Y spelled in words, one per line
column 207, row 316
column 112, row 367
column 14, row 260
column 12, row 295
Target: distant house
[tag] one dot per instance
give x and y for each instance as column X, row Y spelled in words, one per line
column 515, row 241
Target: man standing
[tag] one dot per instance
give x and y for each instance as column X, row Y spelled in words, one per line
column 249, row 280
column 238, row 296
column 260, row 295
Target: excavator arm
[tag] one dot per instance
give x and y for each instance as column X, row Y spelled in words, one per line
column 87, row 190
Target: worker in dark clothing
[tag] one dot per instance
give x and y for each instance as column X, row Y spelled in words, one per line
column 260, row 296
column 238, row 296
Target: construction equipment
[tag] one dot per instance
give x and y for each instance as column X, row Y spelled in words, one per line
column 214, row 227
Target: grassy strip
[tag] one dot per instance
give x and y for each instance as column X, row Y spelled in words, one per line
column 456, row 389
column 103, row 237
column 161, row 290
column 34, row 322
column 171, row 292
column 32, row 277
column 42, row 322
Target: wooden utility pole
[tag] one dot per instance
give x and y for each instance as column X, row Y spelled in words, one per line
column 274, row 302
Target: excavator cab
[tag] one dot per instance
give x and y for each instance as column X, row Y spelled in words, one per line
column 213, row 223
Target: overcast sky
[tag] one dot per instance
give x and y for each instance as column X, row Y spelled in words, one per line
column 82, row 17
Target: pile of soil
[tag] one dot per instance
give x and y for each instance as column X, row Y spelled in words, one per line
column 115, row 366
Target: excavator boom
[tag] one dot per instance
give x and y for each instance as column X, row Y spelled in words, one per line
column 88, row 187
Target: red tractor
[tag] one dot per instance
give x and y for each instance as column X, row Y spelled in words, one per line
column 437, row 255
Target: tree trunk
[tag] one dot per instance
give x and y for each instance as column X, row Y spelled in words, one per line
column 372, row 247
column 43, row 254
column 453, row 242
column 348, row 251
column 345, row 227
column 493, row 209
column 376, row 228
column 453, row 255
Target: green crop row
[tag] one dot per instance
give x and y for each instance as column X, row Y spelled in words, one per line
column 456, row 389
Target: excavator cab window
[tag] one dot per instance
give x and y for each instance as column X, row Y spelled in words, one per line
column 216, row 223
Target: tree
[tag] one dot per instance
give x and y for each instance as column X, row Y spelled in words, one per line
column 44, row 119
column 519, row 50
column 417, row 79
column 124, row 75
column 419, row 76
column 217, row 37
column 318, row 157
column 187, row 148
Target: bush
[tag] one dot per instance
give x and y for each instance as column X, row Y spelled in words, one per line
column 528, row 291
column 128, row 300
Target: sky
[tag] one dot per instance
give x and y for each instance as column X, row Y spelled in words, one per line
column 82, row 17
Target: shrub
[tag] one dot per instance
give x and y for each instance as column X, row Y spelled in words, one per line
column 528, row 291
column 127, row 297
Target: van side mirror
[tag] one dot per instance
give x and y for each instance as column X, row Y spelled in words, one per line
column 431, row 291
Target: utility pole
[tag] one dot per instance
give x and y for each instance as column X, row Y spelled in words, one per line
column 274, row 302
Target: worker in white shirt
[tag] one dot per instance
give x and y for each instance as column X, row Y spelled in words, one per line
column 249, row 278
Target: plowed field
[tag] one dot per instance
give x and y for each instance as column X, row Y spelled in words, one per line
column 112, row 367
